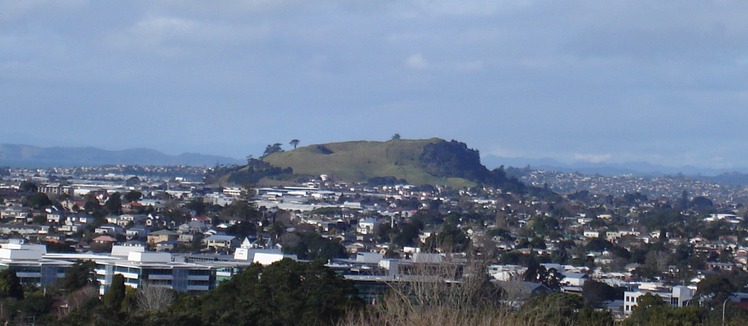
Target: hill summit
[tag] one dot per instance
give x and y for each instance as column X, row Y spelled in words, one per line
column 415, row 161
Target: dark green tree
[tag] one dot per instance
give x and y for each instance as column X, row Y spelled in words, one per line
column 702, row 203
column 284, row 293
column 651, row 309
column 588, row 316
column 34, row 307
column 198, row 205
column 114, row 203
column 294, row 143
column 81, row 274
column 133, row 195
column 595, row 293
column 38, row 200
column 407, row 234
column 273, row 148
column 312, row 246
column 552, row 309
column 133, row 181
column 539, row 274
column 449, row 239
column 598, row 244
column 28, row 187
column 714, row 289
column 10, row 285
column 115, row 294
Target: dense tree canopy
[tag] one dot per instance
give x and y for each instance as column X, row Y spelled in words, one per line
column 449, row 239
column 651, row 309
column 284, row 293
column 38, row 200
column 10, row 285
column 553, row 309
column 81, row 274
column 132, row 195
column 595, row 293
column 310, row 245
column 272, row 148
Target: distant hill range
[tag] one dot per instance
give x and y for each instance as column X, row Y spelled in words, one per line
column 32, row 156
column 720, row 176
column 608, row 169
column 419, row 162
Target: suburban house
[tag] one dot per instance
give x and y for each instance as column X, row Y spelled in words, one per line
column 136, row 232
column 16, row 213
column 367, row 225
column 219, row 241
column 161, row 236
column 110, row 229
column 55, row 215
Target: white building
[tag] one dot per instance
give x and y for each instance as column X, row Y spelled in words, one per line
column 367, row 225
column 677, row 296
column 261, row 256
column 156, row 269
column 591, row 234
column 29, row 264
column 233, row 191
column 506, row 272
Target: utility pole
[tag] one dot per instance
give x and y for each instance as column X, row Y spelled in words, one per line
column 723, row 310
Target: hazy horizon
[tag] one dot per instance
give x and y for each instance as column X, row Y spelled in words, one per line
column 573, row 81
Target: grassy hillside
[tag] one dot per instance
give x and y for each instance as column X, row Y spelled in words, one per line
column 362, row 160
column 425, row 161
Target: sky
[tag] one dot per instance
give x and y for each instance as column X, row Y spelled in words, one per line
column 663, row 82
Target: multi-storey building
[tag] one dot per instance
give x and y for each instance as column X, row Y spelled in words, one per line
column 677, row 296
column 28, row 261
column 156, row 269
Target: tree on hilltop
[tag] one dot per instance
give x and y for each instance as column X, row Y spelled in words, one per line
column 294, row 143
column 272, row 148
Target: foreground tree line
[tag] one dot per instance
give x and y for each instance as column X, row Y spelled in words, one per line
column 294, row 293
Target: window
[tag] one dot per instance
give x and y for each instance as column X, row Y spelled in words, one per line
column 204, row 283
column 159, row 271
column 199, row 272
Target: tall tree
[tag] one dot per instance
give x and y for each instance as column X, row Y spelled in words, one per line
column 10, row 285
column 294, row 143
column 114, row 203
column 81, row 274
column 38, row 200
column 116, row 294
